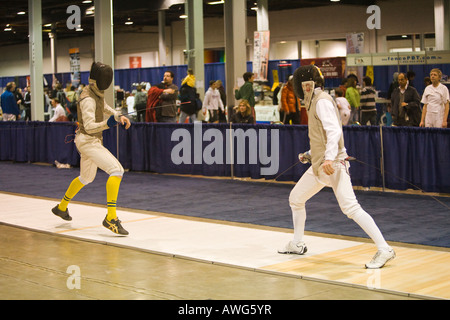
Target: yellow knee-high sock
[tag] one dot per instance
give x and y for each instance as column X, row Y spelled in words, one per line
column 112, row 191
column 73, row 189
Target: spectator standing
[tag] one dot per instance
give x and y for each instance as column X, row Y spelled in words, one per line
column 27, row 103
column 212, row 102
column 343, row 105
column 140, row 103
column 167, row 111
column 9, row 104
column 223, row 97
column 367, row 103
column 436, row 102
column 289, row 104
column 405, row 102
column 189, row 79
column 188, row 106
column 353, row 97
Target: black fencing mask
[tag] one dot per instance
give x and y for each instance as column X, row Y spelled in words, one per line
column 102, row 74
column 306, row 78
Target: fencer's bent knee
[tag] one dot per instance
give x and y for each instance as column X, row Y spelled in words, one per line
column 351, row 210
column 295, row 201
column 117, row 173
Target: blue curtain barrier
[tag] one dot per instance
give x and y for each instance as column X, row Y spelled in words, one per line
column 411, row 157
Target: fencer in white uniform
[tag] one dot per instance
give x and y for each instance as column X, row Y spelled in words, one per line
column 95, row 116
column 328, row 167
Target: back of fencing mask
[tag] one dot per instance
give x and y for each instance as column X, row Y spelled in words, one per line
column 102, row 74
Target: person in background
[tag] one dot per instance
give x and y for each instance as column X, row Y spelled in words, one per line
column 9, row 104
column 436, row 102
column 246, row 91
column 289, row 103
column 59, row 114
column 353, row 97
column 167, row 111
column 367, row 103
column 243, row 113
column 212, row 102
column 405, row 102
column 140, row 103
column 343, row 105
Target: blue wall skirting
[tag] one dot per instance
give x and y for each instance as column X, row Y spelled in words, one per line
column 412, row 156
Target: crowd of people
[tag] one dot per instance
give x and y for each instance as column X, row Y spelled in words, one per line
column 165, row 102
column 406, row 106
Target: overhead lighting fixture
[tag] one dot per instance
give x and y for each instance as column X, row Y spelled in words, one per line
column 404, row 36
column 216, row 2
column 183, row 16
column 335, row 0
column 87, row 1
column 90, row 11
column 129, row 22
column 21, row 12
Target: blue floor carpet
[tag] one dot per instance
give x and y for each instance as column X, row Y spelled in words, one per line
column 417, row 219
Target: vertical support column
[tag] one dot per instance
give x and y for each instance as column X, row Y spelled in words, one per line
column 235, row 47
column 162, row 37
column 422, row 42
column 195, row 43
column 262, row 15
column 299, row 49
column 104, row 40
column 36, row 56
column 52, row 36
column 442, row 24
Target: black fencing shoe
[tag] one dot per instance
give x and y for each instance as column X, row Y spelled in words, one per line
column 62, row 214
column 115, row 226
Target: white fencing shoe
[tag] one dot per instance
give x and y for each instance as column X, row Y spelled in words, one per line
column 381, row 258
column 291, row 247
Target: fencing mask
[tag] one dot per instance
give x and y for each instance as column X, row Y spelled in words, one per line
column 306, row 78
column 102, row 74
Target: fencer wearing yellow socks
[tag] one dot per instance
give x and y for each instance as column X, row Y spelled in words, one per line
column 95, row 116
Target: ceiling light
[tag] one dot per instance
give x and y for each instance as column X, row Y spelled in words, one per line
column 90, row 11
column 183, row 16
column 87, row 1
column 404, row 36
column 254, row 8
column 335, row 0
column 21, row 12
column 7, row 29
column 216, row 2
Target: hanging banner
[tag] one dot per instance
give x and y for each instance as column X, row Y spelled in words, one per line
column 399, row 58
column 135, row 62
column 75, row 75
column 355, row 42
column 261, row 55
column 330, row 67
